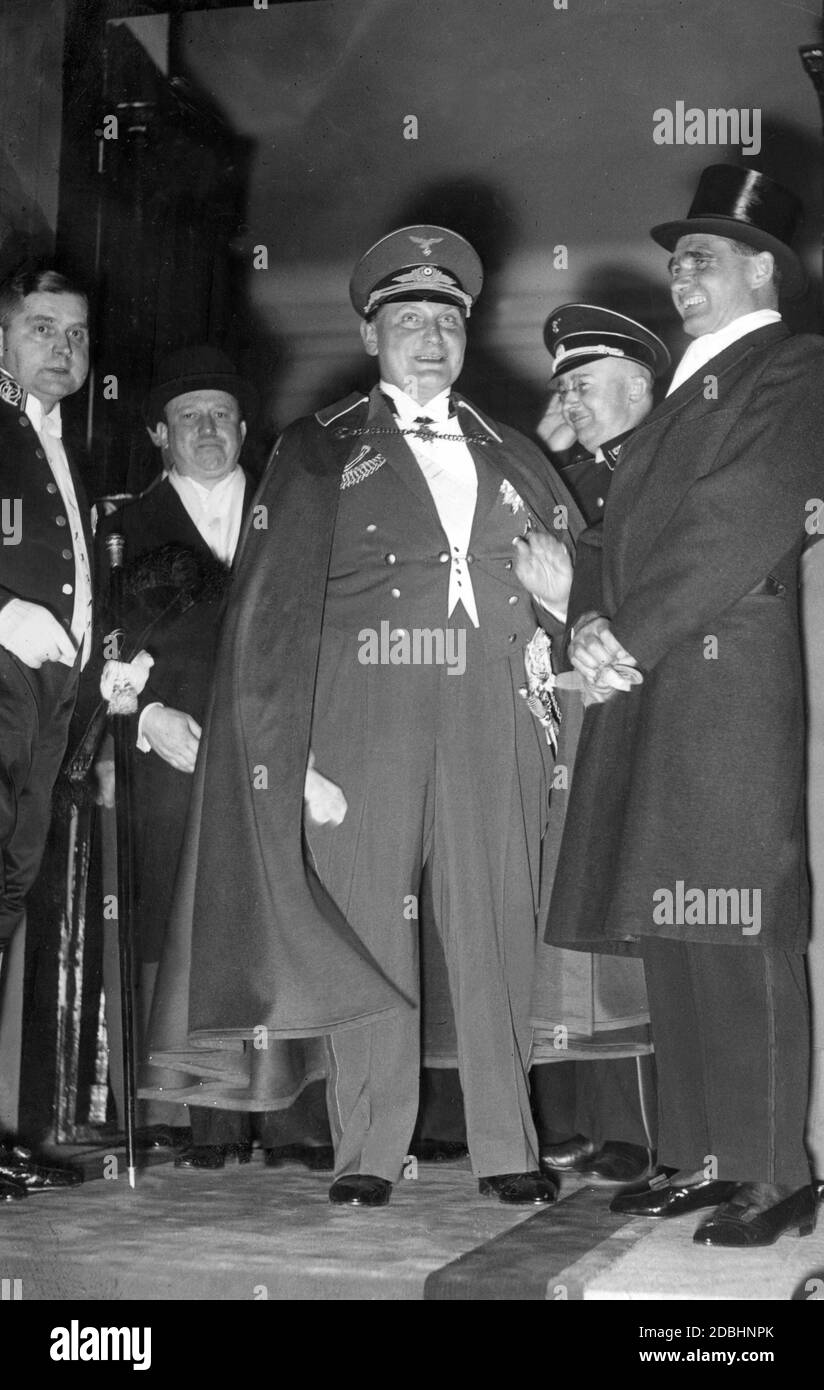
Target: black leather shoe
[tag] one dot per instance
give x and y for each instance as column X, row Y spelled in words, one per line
column 212, row 1155
column 757, row 1214
column 519, row 1189
column 437, row 1151
column 18, row 1165
column 11, row 1191
column 360, row 1190
column 617, row 1165
column 318, row 1158
column 567, row 1157
column 670, row 1199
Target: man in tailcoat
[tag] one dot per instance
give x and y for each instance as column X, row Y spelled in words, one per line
column 684, row 836
column 375, row 629
column 45, row 599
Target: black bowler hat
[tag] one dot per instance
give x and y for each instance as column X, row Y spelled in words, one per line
column 199, row 368
column 744, row 205
column 580, row 333
column 417, row 263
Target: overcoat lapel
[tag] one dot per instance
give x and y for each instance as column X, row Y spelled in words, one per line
column 651, row 479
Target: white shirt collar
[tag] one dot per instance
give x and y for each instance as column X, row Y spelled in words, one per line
column 708, row 345
column 211, row 497
column 52, row 423
column 410, row 409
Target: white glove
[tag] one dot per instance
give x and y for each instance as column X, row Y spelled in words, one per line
column 120, row 675
column 33, row 634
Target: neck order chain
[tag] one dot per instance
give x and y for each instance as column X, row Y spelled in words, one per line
column 422, row 432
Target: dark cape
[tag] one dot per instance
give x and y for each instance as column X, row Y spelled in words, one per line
column 257, row 950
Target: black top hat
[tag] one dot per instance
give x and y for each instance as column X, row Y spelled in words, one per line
column 744, row 205
column 198, row 368
column 580, row 333
column 417, row 263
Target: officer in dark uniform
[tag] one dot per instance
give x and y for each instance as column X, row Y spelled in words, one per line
column 391, row 520
column 594, row 1101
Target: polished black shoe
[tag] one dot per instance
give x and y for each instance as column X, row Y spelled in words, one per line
column 18, row 1165
column 437, row 1150
column 757, row 1214
column 212, row 1155
column 360, row 1190
column 520, row 1189
column 318, row 1158
column 567, row 1157
column 11, row 1191
column 672, row 1199
column 617, row 1165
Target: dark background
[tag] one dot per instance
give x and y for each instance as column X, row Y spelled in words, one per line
column 283, row 127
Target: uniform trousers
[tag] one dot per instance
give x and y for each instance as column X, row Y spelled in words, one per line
column 35, row 709
column 731, row 1028
column 605, row 1098
column 449, row 770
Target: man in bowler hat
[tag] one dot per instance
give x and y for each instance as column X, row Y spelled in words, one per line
column 180, row 538
column 684, row 836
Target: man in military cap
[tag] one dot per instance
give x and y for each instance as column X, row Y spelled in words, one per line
column 375, row 634
column 594, row 1101
column 684, row 836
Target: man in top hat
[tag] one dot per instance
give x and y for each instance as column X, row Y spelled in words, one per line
column 594, row 1100
column 180, row 539
column 45, row 600
column 684, row 837
column 375, row 632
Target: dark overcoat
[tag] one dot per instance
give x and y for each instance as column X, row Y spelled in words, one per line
column 181, row 637
column 696, row 777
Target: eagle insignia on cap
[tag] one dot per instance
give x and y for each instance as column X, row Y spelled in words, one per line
column 426, row 243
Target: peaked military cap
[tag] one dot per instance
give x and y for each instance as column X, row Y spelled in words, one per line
column 417, row 263
column 744, row 205
column 580, row 333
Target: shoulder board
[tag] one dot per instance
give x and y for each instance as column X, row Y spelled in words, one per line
column 333, row 412
column 463, row 404
column 10, row 392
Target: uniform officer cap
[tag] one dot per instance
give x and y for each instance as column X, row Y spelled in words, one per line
column 743, row 205
column 417, row 263
column 580, row 333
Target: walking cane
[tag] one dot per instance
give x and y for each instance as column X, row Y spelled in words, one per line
column 122, row 709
